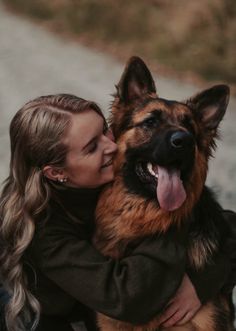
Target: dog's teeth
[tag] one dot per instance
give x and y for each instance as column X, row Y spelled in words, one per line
column 149, row 167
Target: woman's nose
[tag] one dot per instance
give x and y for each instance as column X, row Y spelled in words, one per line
column 110, row 146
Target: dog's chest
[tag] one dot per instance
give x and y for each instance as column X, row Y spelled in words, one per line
column 122, row 218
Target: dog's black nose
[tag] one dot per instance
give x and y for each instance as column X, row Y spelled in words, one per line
column 181, row 140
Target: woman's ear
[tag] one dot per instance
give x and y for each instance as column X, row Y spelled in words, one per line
column 54, row 173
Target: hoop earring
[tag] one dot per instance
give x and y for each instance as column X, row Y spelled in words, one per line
column 62, row 180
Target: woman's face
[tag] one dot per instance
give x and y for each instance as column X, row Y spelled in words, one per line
column 91, row 151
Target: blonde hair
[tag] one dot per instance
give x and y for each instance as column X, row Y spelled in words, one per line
column 36, row 133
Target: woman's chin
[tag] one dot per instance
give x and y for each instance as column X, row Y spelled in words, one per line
column 108, row 177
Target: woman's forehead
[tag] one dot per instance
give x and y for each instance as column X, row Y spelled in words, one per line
column 84, row 126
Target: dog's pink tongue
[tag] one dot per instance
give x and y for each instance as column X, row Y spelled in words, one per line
column 170, row 190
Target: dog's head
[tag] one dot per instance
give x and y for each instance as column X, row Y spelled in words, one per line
column 164, row 145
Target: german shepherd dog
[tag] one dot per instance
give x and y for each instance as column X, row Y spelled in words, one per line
column 160, row 171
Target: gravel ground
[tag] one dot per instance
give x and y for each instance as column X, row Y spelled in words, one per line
column 33, row 62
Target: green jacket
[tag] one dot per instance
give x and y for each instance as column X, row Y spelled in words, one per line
column 71, row 278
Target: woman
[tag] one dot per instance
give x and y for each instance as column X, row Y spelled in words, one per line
column 61, row 156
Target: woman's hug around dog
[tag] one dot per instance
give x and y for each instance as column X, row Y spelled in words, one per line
column 159, row 187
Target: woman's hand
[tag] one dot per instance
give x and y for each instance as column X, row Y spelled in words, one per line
column 183, row 306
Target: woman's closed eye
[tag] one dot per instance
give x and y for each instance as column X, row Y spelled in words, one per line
column 94, row 143
column 93, row 147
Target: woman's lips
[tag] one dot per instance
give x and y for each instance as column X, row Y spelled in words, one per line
column 107, row 164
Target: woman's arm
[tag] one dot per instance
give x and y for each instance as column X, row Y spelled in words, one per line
column 132, row 289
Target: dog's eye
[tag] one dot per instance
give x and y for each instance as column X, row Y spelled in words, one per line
column 150, row 122
column 187, row 123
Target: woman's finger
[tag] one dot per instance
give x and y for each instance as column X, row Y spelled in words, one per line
column 174, row 319
column 168, row 312
column 186, row 318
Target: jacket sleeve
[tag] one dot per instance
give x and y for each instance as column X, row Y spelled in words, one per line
column 221, row 271
column 132, row 289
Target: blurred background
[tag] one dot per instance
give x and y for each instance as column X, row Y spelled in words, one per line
column 187, row 36
column 81, row 46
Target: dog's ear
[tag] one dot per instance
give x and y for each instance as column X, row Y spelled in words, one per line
column 210, row 105
column 136, row 81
